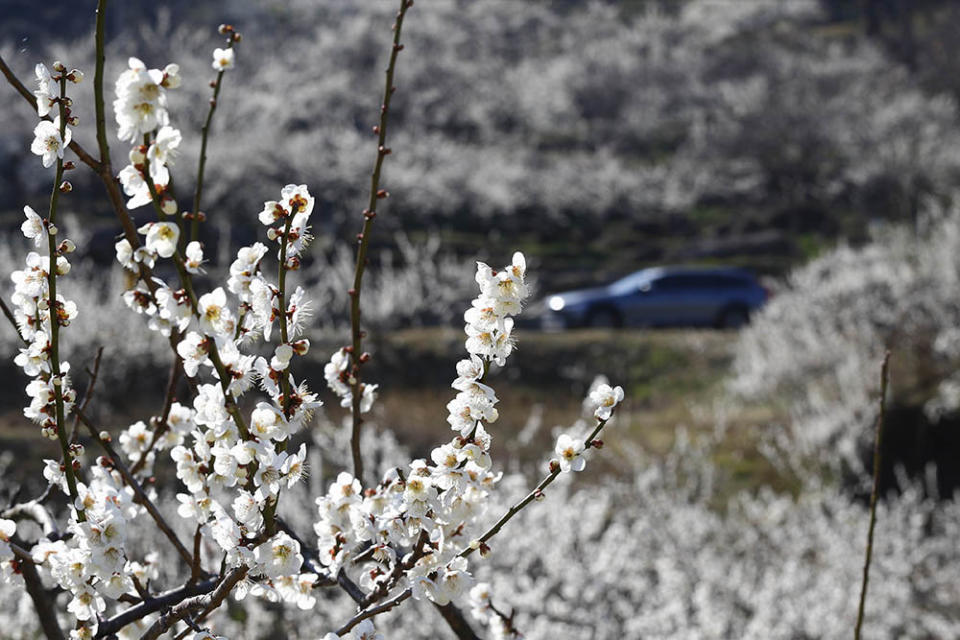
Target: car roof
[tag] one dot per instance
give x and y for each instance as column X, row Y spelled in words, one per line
column 669, row 270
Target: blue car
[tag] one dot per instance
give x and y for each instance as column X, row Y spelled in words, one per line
column 661, row 296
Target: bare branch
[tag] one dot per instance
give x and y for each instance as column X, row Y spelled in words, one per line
column 877, row 443
column 44, row 605
column 375, row 611
column 154, row 604
column 364, row 241
column 207, row 603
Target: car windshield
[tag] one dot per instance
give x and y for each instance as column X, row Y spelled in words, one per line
column 631, row 282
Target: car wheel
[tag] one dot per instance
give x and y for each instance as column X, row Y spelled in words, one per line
column 604, row 318
column 733, row 318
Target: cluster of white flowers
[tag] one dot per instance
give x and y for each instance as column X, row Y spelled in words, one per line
column 431, row 508
column 141, row 112
column 51, row 138
column 141, row 102
column 340, row 380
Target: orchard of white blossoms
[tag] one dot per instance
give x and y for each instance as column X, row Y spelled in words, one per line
column 408, row 534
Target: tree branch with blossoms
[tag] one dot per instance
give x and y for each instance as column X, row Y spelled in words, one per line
column 409, row 536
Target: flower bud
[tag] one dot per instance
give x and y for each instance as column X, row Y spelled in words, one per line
column 69, row 164
column 58, row 66
column 554, row 466
column 63, row 268
column 52, row 229
column 474, row 544
column 301, row 346
column 67, row 246
column 66, row 187
column 272, row 233
column 169, row 206
column 104, row 435
column 73, row 121
column 75, row 76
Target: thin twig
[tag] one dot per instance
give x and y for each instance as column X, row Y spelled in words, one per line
column 364, row 241
column 205, row 133
column 13, row 321
column 88, row 394
column 102, row 143
column 161, row 425
column 877, row 444
column 375, row 611
column 533, row 495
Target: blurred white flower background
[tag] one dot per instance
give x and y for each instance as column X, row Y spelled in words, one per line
column 816, row 143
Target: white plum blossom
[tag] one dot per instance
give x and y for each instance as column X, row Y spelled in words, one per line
column 366, row 631
column 134, row 185
column 162, row 153
column 47, row 142
column 570, row 453
column 33, row 227
column 162, row 237
column 193, row 258
column 141, row 102
column 606, row 399
column 215, row 318
column 125, row 255
column 46, row 89
column 223, row 59
column 7, row 529
column 279, row 556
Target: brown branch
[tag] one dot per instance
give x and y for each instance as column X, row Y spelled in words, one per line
column 88, row 394
column 877, row 444
column 207, row 602
column 46, row 612
column 364, row 241
column 456, row 621
column 154, row 604
column 375, row 611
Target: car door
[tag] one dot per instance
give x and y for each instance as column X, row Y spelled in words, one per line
column 653, row 302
